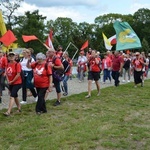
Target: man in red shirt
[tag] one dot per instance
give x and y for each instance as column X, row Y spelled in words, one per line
column 117, row 64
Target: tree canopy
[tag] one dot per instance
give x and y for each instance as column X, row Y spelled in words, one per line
column 65, row 30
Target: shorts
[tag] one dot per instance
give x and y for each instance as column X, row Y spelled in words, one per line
column 14, row 90
column 93, row 76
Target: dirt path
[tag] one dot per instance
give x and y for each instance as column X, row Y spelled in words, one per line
column 74, row 88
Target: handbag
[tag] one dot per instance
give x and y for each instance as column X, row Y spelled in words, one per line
column 58, row 74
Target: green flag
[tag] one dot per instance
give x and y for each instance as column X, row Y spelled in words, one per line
column 126, row 37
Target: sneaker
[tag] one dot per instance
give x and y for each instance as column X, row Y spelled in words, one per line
column 88, row 96
column 98, row 94
column 36, row 99
column 129, row 81
column 65, row 94
column 23, row 102
column 123, row 81
column 57, row 103
column 142, row 84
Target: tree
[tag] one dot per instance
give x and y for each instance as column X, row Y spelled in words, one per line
column 10, row 7
column 145, row 46
column 31, row 24
column 142, row 23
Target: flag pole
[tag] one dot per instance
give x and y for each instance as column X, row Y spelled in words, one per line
column 44, row 44
column 67, row 47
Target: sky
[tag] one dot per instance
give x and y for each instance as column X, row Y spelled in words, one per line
column 82, row 10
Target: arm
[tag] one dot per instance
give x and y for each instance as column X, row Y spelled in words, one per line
column 29, row 63
column 15, row 78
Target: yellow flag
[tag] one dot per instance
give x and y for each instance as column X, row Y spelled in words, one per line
column 108, row 46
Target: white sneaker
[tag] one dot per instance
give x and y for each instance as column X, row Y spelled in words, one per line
column 128, row 81
column 23, row 102
column 36, row 99
column 123, row 81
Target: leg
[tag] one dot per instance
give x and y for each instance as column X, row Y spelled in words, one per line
column 17, row 103
column 89, row 87
column 41, row 105
column 65, row 85
column 11, row 103
column 98, row 87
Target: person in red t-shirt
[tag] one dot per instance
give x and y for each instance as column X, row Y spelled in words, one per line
column 42, row 80
column 13, row 71
column 56, row 64
column 94, row 72
column 138, row 65
column 117, row 64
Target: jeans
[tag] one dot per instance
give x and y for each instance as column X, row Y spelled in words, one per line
column 65, row 84
column 115, row 76
column 106, row 75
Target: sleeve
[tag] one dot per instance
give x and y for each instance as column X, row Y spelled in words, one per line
column 33, row 65
column 58, row 62
column 49, row 70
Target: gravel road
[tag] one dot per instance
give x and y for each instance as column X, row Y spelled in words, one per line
column 74, row 88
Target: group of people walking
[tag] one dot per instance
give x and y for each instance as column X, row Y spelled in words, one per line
column 55, row 67
column 41, row 68
column 114, row 65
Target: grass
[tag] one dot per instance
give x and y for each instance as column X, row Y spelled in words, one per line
column 117, row 120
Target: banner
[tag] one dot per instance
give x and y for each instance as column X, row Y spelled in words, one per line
column 126, row 37
column 8, row 38
column 27, row 38
column 85, row 45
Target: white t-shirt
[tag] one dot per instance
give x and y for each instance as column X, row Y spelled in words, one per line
column 24, row 63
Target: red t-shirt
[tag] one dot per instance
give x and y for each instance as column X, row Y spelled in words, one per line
column 41, row 74
column 93, row 66
column 11, row 71
column 55, row 60
column 116, row 62
column 3, row 62
column 138, row 64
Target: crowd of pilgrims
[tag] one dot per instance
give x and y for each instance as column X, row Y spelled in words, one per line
column 36, row 73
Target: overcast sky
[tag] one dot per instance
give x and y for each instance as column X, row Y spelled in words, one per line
column 82, row 10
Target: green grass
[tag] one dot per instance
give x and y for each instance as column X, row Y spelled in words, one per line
column 116, row 120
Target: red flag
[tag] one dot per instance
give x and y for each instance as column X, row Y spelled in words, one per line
column 27, row 38
column 8, row 38
column 49, row 40
column 85, row 45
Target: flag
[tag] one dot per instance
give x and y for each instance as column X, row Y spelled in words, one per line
column 85, row 45
column 126, row 37
column 49, row 40
column 27, row 38
column 8, row 38
column 112, row 40
column 107, row 44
